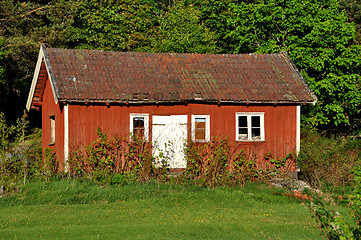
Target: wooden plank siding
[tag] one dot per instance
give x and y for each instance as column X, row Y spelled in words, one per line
column 279, row 124
column 50, row 108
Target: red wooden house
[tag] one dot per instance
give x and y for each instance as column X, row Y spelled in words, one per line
column 254, row 99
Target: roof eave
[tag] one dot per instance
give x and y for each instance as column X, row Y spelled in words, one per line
column 153, row 101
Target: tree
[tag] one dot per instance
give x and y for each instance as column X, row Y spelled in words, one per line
column 181, row 31
column 24, row 25
column 319, row 39
column 122, row 25
column 353, row 10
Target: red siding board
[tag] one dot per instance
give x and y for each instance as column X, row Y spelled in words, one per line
column 50, row 108
column 280, row 124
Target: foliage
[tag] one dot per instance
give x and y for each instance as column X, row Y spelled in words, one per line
column 181, row 31
column 113, row 25
column 106, row 157
column 24, row 25
column 50, row 166
column 12, row 133
column 5, row 132
column 353, row 10
column 327, row 161
column 355, row 202
column 21, row 162
column 319, row 40
column 333, row 224
column 216, row 163
column 12, row 170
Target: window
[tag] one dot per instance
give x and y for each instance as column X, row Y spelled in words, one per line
column 200, row 128
column 139, row 125
column 250, row 127
column 52, row 130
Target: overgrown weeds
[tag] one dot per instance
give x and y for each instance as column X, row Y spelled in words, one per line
column 111, row 160
column 107, row 158
column 333, row 224
column 328, row 161
column 217, row 163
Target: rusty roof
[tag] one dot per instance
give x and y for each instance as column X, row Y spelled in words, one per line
column 102, row 76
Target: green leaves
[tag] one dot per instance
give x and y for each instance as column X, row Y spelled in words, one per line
column 113, row 25
column 319, row 40
column 181, row 31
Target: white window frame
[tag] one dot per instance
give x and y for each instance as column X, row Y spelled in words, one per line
column 249, row 116
column 207, row 117
column 52, row 129
column 146, row 124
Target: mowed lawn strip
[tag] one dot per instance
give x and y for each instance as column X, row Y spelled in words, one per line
column 174, row 212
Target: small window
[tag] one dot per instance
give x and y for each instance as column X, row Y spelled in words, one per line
column 200, row 128
column 139, row 125
column 250, row 127
column 52, row 130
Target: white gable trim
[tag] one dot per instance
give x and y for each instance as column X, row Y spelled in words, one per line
column 298, row 130
column 41, row 57
column 66, row 137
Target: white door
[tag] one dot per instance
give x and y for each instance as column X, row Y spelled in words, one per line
column 169, row 138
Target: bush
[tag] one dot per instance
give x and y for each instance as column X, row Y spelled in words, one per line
column 107, row 157
column 22, row 161
column 333, row 224
column 217, row 163
column 328, row 161
column 118, row 180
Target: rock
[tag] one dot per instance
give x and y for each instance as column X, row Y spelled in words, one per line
column 291, row 184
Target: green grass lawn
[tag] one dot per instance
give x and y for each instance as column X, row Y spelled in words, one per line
column 75, row 210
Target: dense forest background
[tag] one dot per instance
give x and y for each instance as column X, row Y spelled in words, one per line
column 322, row 37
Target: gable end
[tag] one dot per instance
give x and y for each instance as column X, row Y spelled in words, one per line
column 42, row 72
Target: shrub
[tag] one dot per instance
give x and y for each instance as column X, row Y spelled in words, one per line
column 333, row 225
column 118, row 180
column 22, row 161
column 106, row 157
column 327, row 161
column 216, row 163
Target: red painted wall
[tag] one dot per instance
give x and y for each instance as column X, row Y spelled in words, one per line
column 280, row 123
column 50, row 108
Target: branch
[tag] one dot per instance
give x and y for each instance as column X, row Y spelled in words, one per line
column 34, row 10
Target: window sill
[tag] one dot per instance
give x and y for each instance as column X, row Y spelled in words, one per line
column 250, row 141
column 52, row 144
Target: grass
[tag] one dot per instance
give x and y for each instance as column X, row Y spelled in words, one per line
column 69, row 209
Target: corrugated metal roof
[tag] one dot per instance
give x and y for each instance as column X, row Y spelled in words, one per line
column 93, row 75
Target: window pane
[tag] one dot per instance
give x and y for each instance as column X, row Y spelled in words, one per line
column 256, row 121
column 138, row 127
column 200, row 128
column 256, row 133
column 200, row 134
column 242, row 121
column 52, row 129
column 242, row 133
column 200, row 120
column 138, row 122
column 139, row 132
column 200, row 125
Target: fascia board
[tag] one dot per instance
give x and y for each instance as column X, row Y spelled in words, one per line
column 41, row 57
column 35, row 79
